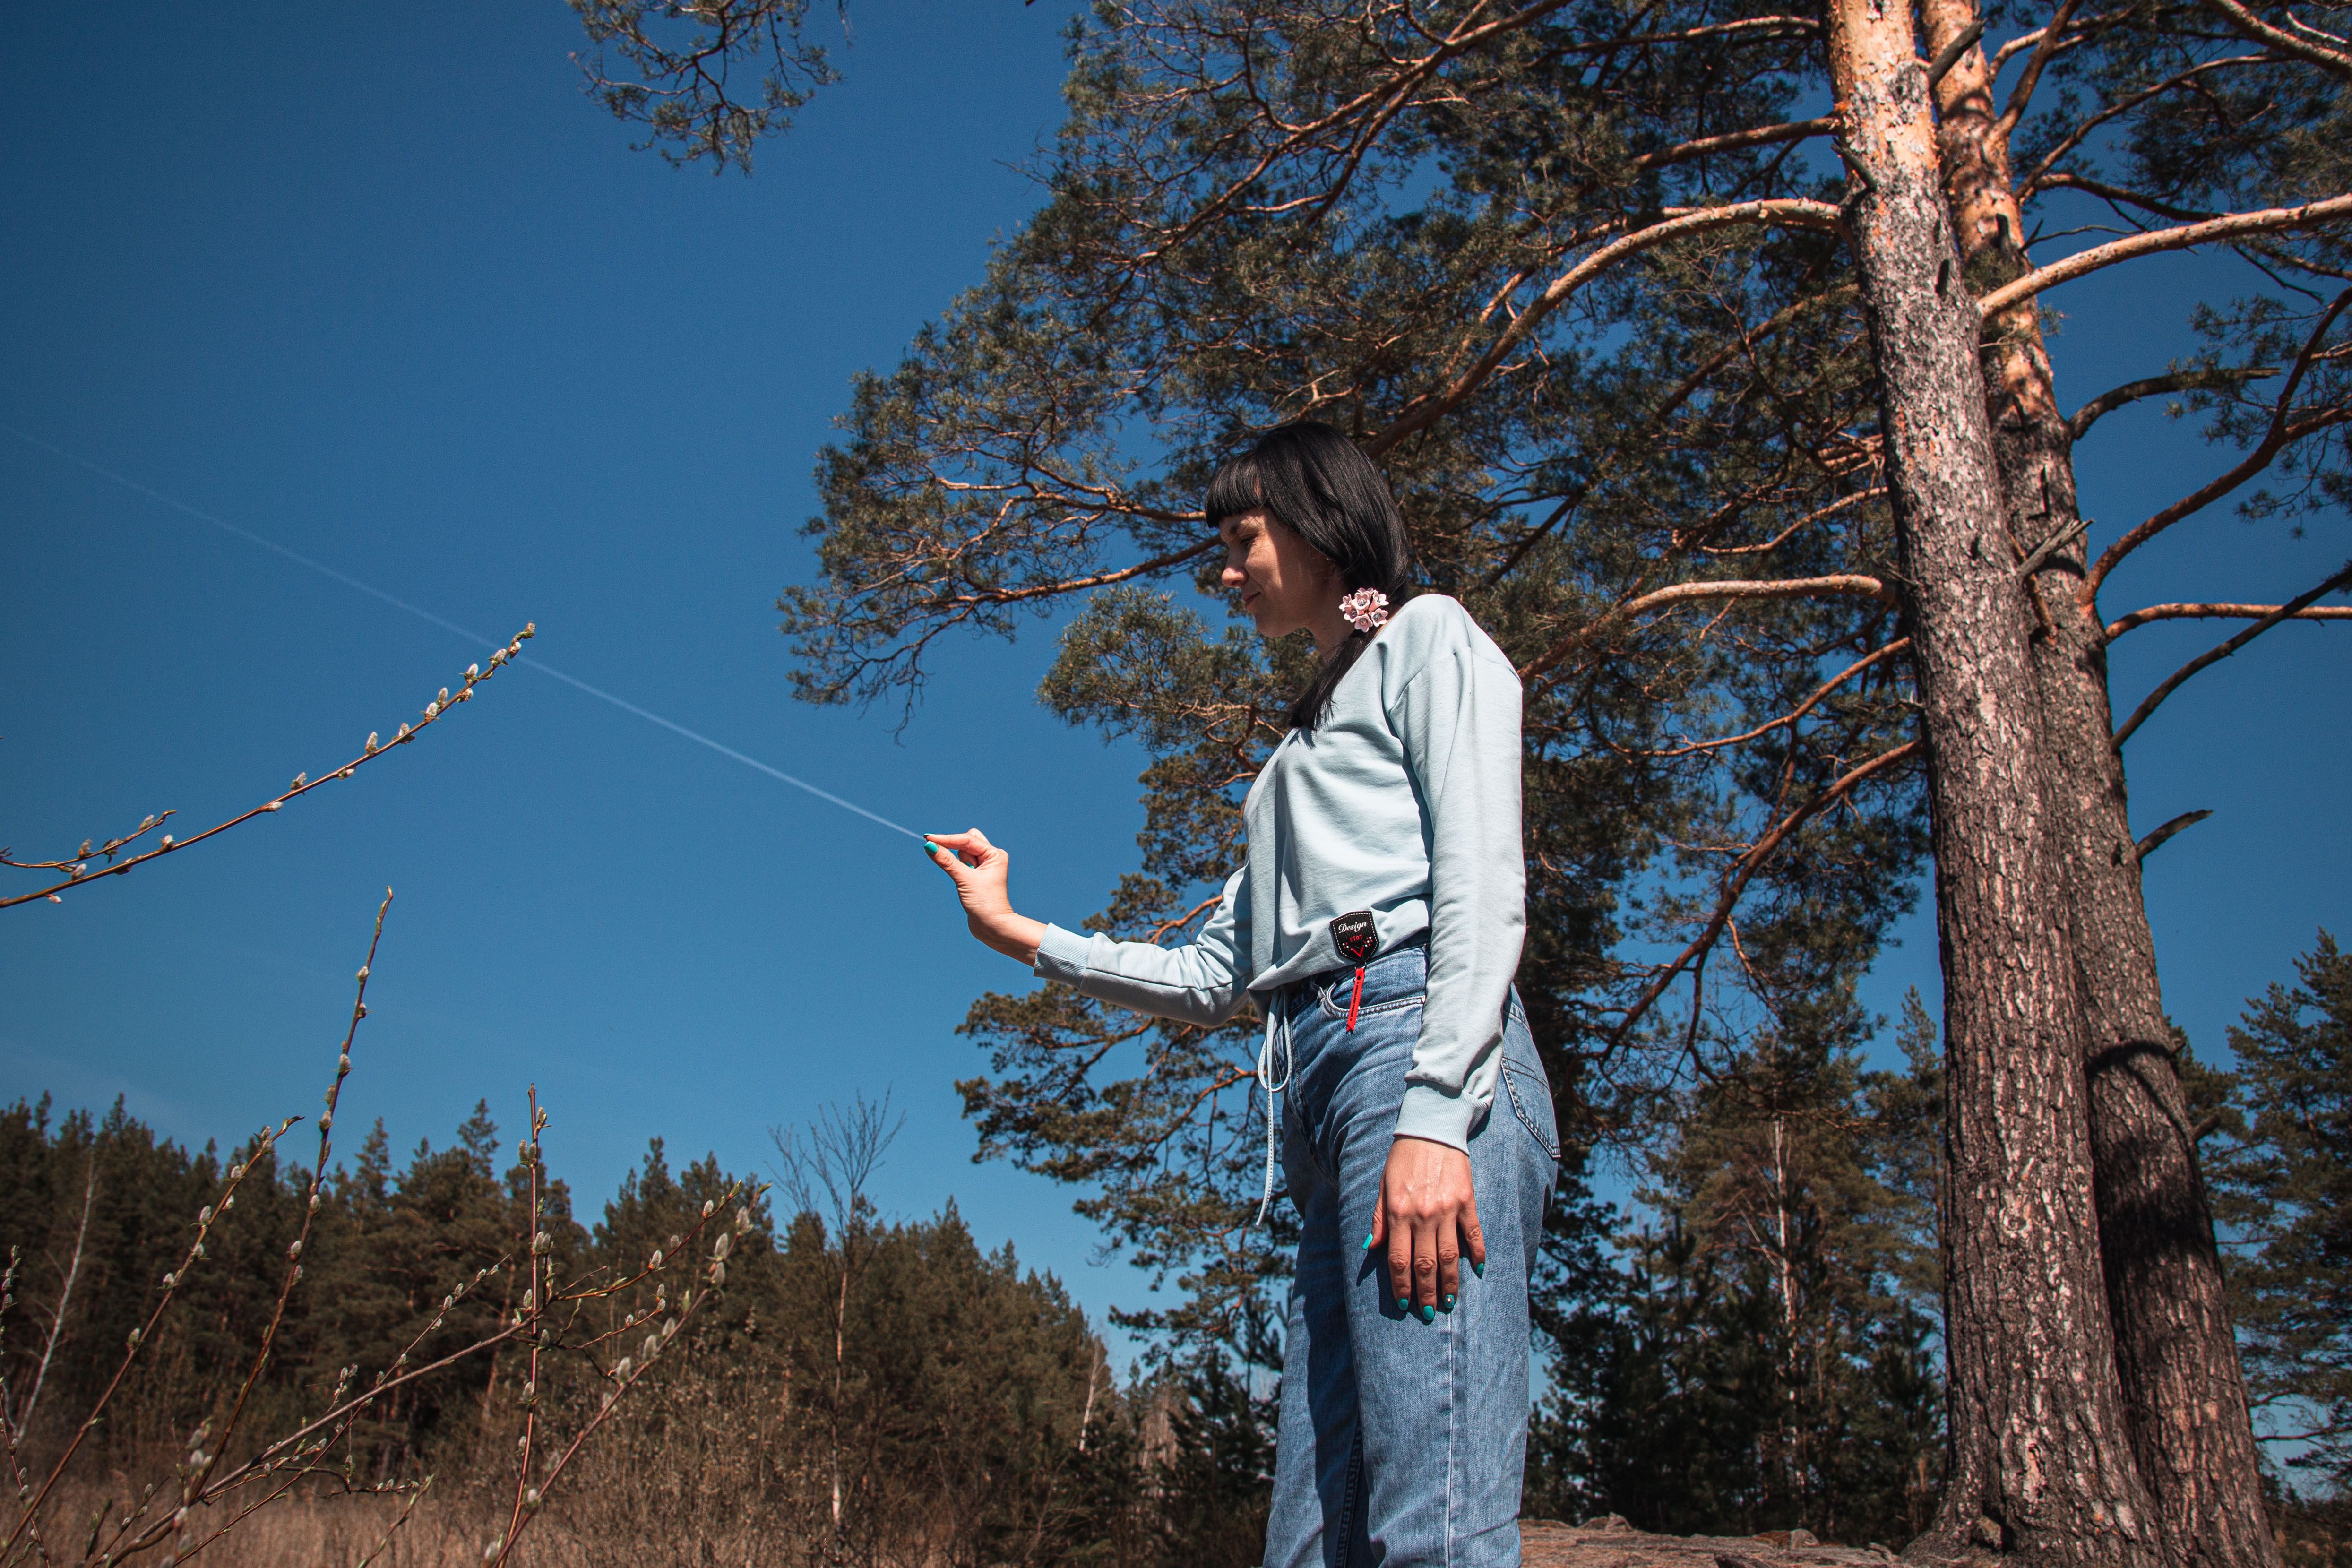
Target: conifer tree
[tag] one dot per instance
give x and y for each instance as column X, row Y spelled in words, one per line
column 1641, row 339
column 1761, row 1361
column 2282, row 1178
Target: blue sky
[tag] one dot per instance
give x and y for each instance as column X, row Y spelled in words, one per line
column 384, row 286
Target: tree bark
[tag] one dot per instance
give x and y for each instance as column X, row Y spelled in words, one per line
column 2176, row 1352
column 2040, row 1463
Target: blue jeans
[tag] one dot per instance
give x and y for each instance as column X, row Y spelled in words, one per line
column 1401, row 1443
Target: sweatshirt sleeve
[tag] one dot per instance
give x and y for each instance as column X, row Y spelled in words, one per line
column 1201, row 983
column 1458, row 718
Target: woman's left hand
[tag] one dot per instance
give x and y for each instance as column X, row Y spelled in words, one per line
column 1428, row 1217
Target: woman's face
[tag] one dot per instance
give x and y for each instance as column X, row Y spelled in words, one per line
column 1285, row 584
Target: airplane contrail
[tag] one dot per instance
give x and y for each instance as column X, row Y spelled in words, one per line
column 529, row 662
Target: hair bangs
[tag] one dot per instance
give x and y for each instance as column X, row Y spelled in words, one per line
column 1237, row 487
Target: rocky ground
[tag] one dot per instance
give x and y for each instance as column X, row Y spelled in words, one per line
column 1611, row 1543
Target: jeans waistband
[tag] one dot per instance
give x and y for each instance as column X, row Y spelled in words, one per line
column 1304, row 989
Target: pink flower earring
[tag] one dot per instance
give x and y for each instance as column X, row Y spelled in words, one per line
column 1365, row 609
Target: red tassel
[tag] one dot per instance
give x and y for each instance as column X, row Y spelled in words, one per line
column 1355, row 1001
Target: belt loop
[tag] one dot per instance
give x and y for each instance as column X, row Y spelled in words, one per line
column 1277, row 1017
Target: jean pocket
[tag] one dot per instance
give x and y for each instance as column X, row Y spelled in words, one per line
column 1333, row 1001
column 1532, row 1103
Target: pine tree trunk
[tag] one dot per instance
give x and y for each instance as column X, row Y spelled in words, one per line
column 2184, row 1398
column 2040, row 1463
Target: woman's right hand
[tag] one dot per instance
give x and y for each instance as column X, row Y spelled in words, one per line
column 980, row 871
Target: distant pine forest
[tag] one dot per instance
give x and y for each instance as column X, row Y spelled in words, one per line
column 1750, row 1345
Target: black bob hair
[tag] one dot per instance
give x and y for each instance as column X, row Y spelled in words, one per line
column 1319, row 485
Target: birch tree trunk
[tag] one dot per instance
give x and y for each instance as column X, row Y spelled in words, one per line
column 2176, row 1352
column 2041, row 1465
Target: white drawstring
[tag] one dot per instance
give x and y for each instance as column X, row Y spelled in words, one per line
column 1266, row 1082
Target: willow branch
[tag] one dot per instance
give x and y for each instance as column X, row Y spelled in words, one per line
column 79, row 875
column 1742, row 873
column 310, row 1211
column 1842, row 586
column 1783, row 212
column 2214, row 231
column 142, row 1334
column 2214, row 656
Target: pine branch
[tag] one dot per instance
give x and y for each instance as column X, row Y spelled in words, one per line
column 1888, row 650
column 2307, row 50
column 1783, row 212
column 2118, row 196
column 2215, row 231
column 2284, row 431
column 1842, row 586
column 2214, row 656
column 1099, row 580
column 2158, row 385
column 1732, row 141
column 2161, row 836
column 2074, row 138
column 2221, row 612
column 1742, row 873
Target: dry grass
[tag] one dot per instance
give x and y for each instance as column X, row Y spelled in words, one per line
column 451, row 1531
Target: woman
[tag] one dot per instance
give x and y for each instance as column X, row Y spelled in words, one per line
column 1376, row 924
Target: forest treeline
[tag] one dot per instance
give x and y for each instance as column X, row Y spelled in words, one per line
column 1749, row 1346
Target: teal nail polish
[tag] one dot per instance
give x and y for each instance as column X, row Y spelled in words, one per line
column 1446, row 1304
column 1368, row 1241
column 1404, row 1305
column 930, row 850
column 1427, row 1313
column 1479, row 1269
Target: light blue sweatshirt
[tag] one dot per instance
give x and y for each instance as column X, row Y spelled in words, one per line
column 1404, row 802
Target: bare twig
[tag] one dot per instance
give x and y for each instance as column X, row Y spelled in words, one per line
column 65, row 1299
column 1950, row 55
column 2066, row 534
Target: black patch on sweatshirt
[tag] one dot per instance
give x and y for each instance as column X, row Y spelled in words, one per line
column 1353, row 935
